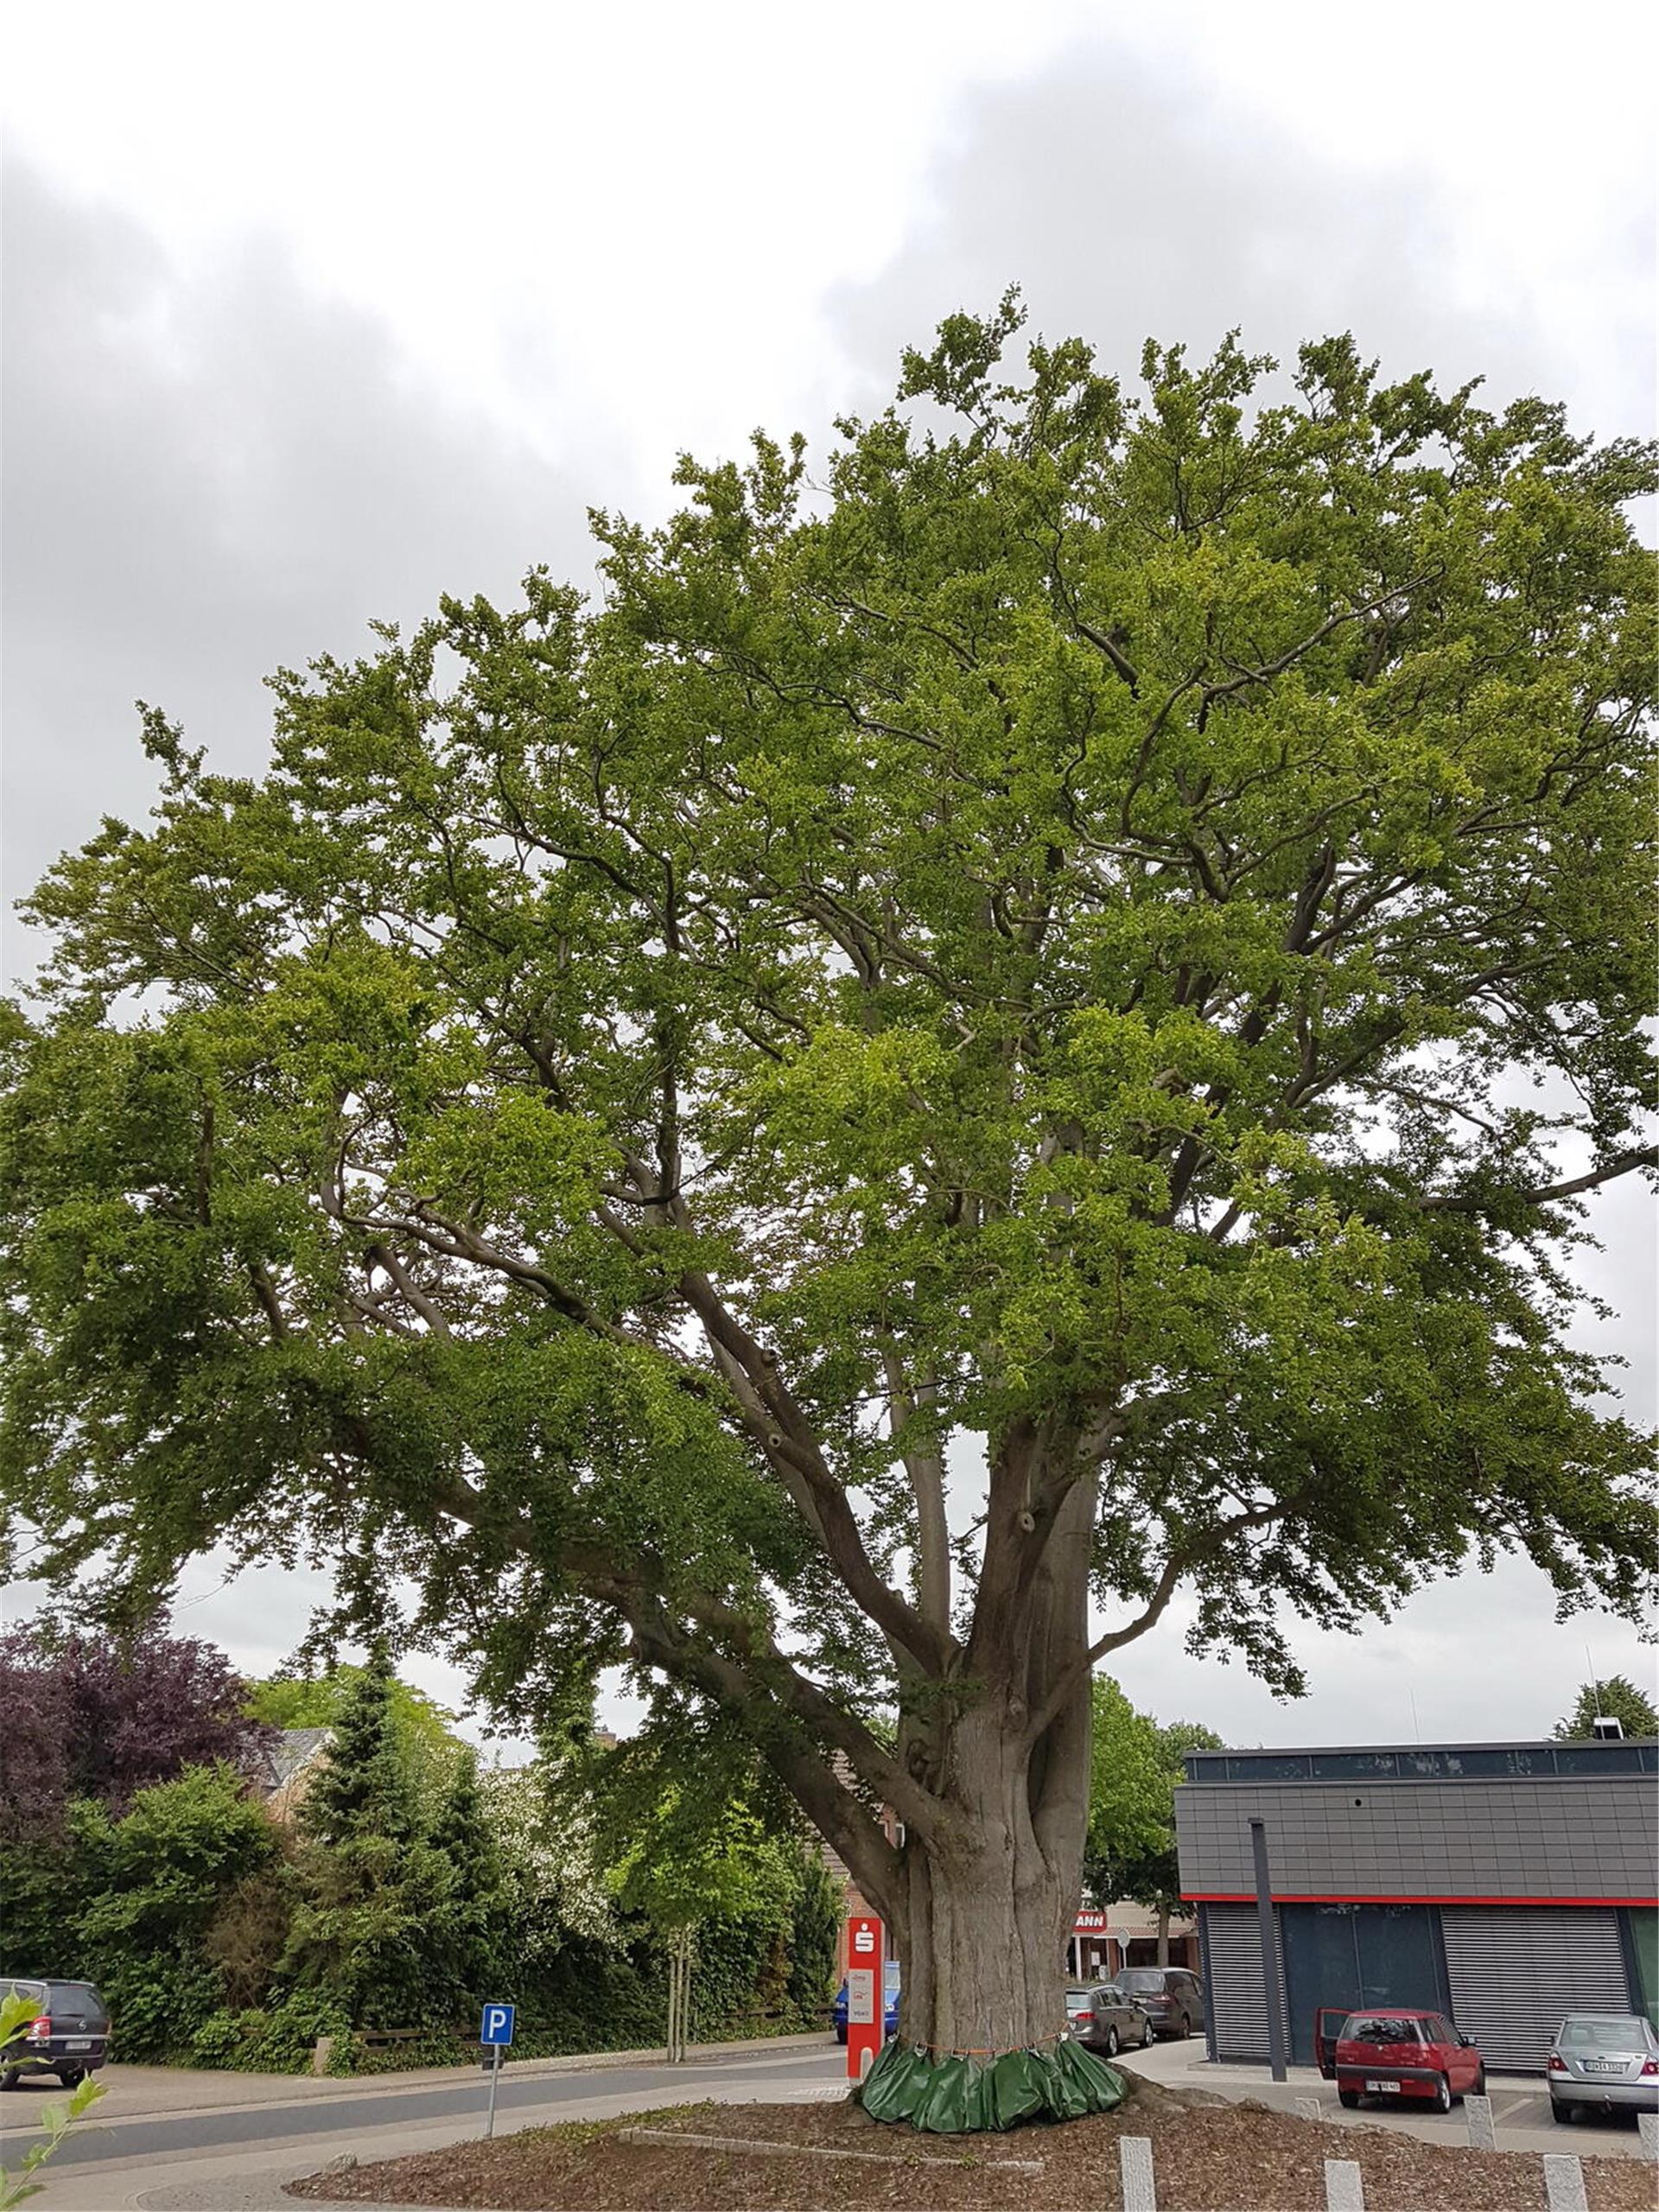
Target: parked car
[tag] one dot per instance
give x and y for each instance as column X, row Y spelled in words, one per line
column 1170, row 1997
column 1106, row 2021
column 1603, row 2061
column 1398, row 2054
column 69, row 2035
column 838, row 2010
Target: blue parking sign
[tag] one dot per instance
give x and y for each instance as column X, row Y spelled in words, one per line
column 497, row 2024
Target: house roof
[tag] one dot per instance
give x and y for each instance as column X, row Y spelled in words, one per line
column 291, row 1750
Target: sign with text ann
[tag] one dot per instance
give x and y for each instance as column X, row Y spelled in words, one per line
column 866, row 1993
column 497, row 2024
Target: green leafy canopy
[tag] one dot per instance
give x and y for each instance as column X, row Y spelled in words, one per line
column 1115, row 922
column 1136, row 1768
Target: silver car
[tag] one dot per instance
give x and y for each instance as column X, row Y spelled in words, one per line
column 1106, row 2022
column 1603, row 2061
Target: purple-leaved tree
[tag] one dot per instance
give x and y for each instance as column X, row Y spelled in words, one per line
column 93, row 1715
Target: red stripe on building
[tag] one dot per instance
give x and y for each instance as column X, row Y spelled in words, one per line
column 1394, row 1896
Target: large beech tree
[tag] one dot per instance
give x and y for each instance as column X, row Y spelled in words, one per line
column 988, row 1037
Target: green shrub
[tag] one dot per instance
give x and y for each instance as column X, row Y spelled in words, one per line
column 278, row 2041
column 157, row 2001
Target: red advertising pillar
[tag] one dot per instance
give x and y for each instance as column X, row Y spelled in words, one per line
column 867, row 1993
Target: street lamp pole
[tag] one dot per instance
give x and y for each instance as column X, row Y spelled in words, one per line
column 1269, row 1950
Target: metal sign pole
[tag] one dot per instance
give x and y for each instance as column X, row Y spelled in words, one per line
column 495, row 2032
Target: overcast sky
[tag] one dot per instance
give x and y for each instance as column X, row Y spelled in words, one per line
column 313, row 314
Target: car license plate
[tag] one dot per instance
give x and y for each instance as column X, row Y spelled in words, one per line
column 1601, row 2065
column 78, row 2043
column 1383, row 2089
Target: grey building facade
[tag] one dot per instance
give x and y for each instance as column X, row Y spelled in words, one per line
column 1505, row 1884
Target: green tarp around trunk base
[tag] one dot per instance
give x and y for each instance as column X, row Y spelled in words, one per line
column 964, row 2096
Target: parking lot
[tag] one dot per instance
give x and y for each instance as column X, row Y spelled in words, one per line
column 1520, row 2105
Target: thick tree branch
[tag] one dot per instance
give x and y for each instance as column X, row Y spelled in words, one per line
column 1246, row 677
column 925, row 1468
column 660, row 1641
column 409, row 1289
column 788, row 1439
column 780, row 1426
column 1541, row 1194
column 1179, row 1563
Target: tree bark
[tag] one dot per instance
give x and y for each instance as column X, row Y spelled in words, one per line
column 983, row 1906
column 982, row 1916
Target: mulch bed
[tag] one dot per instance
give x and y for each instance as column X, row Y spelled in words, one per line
column 1208, row 2156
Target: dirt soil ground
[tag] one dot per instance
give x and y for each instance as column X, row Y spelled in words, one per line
column 1208, row 2157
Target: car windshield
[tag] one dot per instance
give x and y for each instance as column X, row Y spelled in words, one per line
column 1142, row 1979
column 1603, row 2032
column 1381, row 2027
column 890, row 1975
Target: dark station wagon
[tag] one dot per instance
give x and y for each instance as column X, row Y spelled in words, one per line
column 69, row 2035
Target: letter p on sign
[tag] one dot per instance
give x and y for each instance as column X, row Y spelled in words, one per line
column 497, row 2024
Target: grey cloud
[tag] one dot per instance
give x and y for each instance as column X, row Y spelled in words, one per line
column 1127, row 204
column 211, row 473
column 1477, row 1657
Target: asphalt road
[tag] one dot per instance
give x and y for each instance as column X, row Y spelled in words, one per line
column 329, row 2121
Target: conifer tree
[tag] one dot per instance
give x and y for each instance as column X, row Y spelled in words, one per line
column 376, row 1895
column 471, row 1946
column 364, row 1786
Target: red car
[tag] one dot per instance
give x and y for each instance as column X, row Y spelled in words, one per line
column 1397, row 2054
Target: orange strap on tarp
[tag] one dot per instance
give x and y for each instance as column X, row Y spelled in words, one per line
column 938, row 2051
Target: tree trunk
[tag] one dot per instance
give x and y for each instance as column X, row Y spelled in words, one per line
column 984, row 1907
column 980, row 1937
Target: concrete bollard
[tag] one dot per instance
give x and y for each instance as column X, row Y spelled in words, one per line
column 1135, row 2156
column 866, row 2060
column 321, row 2052
column 1649, row 2123
column 1344, row 2186
column 1483, row 2129
column 1307, row 2107
column 1564, row 2183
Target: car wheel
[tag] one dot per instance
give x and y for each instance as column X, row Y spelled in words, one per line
column 72, row 2077
column 1560, row 2114
column 1443, row 2093
column 9, row 2077
column 1349, row 2097
column 1479, row 2089
column 1112, row 2043
column 1145, row 2033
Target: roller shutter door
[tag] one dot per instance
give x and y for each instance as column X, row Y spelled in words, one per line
column 1513, row 1971
column 1238, row 2012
